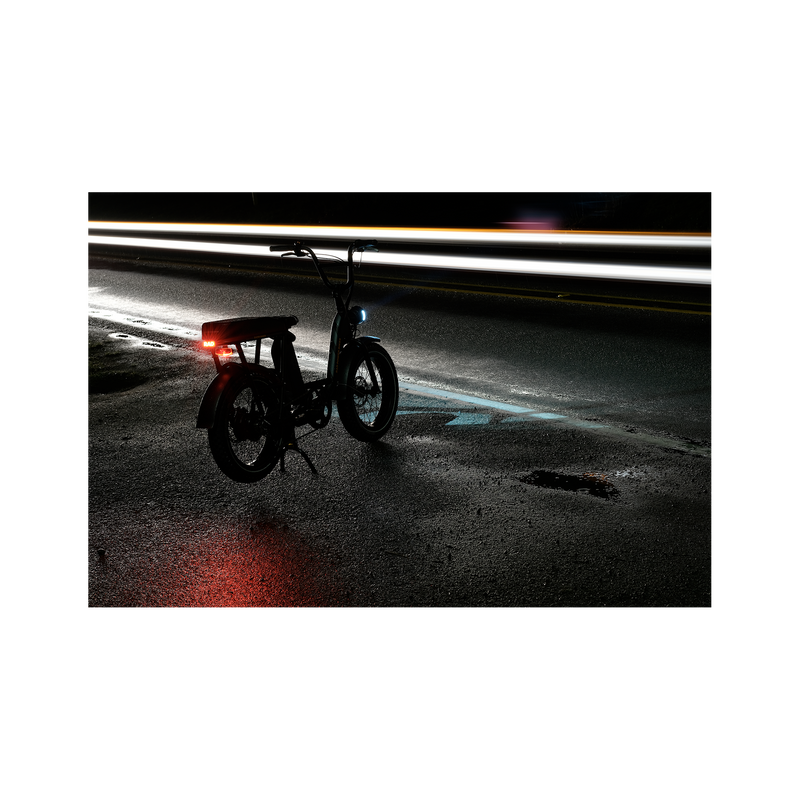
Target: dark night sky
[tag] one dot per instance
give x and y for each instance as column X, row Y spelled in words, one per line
column 687, row 212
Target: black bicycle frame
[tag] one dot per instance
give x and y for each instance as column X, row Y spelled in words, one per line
column 342, row 333
column 300, row 403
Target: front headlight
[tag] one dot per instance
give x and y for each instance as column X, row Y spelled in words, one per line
column 357, row 315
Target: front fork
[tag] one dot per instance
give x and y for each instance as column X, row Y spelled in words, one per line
column 343, row 335
column 340, row 333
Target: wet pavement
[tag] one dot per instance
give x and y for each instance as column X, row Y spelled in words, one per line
column 460, row 504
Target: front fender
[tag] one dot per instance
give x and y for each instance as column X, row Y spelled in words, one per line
column 351, row 350
column 210, row 401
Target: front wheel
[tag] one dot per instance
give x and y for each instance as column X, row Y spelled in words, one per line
column 245, row 438
column 367, row 398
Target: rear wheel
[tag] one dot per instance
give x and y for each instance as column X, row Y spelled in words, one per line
column 245, row 438
column 367, row 399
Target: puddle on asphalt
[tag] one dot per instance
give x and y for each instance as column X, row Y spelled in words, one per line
column 137, row 340
column 594, row 483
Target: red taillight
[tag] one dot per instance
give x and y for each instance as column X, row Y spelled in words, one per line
column 220, row 352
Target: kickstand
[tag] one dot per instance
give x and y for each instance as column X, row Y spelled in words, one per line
column 293, row 446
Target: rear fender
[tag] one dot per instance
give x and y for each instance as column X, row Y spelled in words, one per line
column 208, row 406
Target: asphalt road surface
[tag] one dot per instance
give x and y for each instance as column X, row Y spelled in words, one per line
column 544, row 454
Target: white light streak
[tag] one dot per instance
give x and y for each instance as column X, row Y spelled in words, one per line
column 643, row 272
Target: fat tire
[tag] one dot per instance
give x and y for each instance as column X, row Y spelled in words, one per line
column 254, row 397
column 367, row 417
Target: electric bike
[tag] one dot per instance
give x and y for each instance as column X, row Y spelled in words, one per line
column 252, row 411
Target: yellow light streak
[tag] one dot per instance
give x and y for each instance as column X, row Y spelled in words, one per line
column 420, row 235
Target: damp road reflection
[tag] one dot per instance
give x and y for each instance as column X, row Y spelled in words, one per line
column 189, row 563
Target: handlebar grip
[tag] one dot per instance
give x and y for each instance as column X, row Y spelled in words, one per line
column 277, row 248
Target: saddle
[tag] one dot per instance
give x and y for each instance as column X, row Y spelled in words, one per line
column 245, row 329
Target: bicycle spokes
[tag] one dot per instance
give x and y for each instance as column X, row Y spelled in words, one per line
column 249, row 425
column 366, row 394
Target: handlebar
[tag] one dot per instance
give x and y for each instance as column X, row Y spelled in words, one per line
column 280, row 247
column 299, row 249
column 358, row 244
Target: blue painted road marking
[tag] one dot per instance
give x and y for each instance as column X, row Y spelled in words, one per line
column 416, row 399
column 460, row 417
column 465, row 398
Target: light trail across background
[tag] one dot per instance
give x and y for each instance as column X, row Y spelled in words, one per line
column 396, row 236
